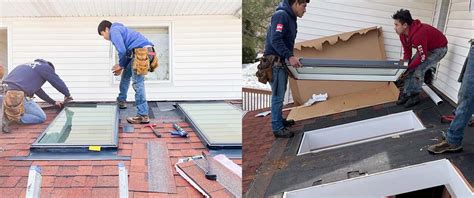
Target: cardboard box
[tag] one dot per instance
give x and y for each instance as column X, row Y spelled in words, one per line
column 364, row 44
column 385, row 93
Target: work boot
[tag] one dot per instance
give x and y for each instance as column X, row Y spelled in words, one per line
column 444, row 146
column 283, row 133
column 122, row 104
column 288, row 123
column 412, row 101
column 402, row 99
column 139, row 119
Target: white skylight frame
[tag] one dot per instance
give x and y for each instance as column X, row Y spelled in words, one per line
column 393, row 182
column 347, row 134
column 349, row 70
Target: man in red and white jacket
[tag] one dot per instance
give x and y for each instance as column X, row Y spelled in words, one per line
column 431, row 47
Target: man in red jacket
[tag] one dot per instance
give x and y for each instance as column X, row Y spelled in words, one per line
column 431, row 47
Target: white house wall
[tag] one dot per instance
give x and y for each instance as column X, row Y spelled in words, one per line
column 3, row 47
column 324, row 18
column 459, row 30
column 205, row 55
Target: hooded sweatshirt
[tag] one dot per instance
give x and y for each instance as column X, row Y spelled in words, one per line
column 424, row 38
column 125, row 40
column 30, row 77
column 281, row 33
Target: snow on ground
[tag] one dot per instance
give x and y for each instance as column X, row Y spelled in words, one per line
column 249, row 78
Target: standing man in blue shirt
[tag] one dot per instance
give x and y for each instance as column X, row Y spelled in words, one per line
column 281, row 35
column 136, row 57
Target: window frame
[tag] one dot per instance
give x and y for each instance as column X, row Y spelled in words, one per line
column 37, row 145
column 306, row 145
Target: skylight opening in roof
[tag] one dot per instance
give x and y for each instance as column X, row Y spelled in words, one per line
column 359, row 132
column 393, row 182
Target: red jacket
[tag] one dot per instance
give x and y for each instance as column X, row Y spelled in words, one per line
column 424, row 38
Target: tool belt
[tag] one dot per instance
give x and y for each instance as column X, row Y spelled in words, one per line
column 264, row 73
column 145, row 60
column 13, row 105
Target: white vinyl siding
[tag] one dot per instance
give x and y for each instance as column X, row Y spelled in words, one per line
column 3, row 48
column 125, row 8
column 324, row 18
column 459, row 30
column 205, row 55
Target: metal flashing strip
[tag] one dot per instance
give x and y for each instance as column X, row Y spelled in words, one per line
column 123, row 180
column 65, row 155
column 356, row 70
column 359, row 132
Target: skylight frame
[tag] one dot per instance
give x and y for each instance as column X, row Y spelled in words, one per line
column 330, row 134
column 394, row 182
column 399, row 66
column 38, row 145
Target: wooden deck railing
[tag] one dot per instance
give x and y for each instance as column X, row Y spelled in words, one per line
column 254, row 99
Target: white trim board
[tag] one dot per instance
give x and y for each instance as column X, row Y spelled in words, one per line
column 393, row 182
column 359, row 132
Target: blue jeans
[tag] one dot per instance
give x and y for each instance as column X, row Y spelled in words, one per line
column 278, row 84
column 465, row 106
column 415, row 79
column 33, row 113
column 139, row 87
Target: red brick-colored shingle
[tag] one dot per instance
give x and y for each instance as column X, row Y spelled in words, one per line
column 107, row 181
column 47, row 181
column 97, row 178
column 9, row 182
column 64, row 182
column 79, row 181
column 105, row 192
column 110, row 170
column 138, row 181
column 67, row 170
column 79, row 192
column 84, row 170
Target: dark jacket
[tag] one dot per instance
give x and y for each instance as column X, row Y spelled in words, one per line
column 281, row 33
column 30, row 77
column 424, row 38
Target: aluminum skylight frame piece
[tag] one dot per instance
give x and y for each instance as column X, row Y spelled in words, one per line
column 393, row 182
column 331, row 69
column 371, row 129
column 114, row 144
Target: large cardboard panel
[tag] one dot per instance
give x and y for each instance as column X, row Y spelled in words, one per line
column 303, row 89
column 364, row 44
column 356, row 100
